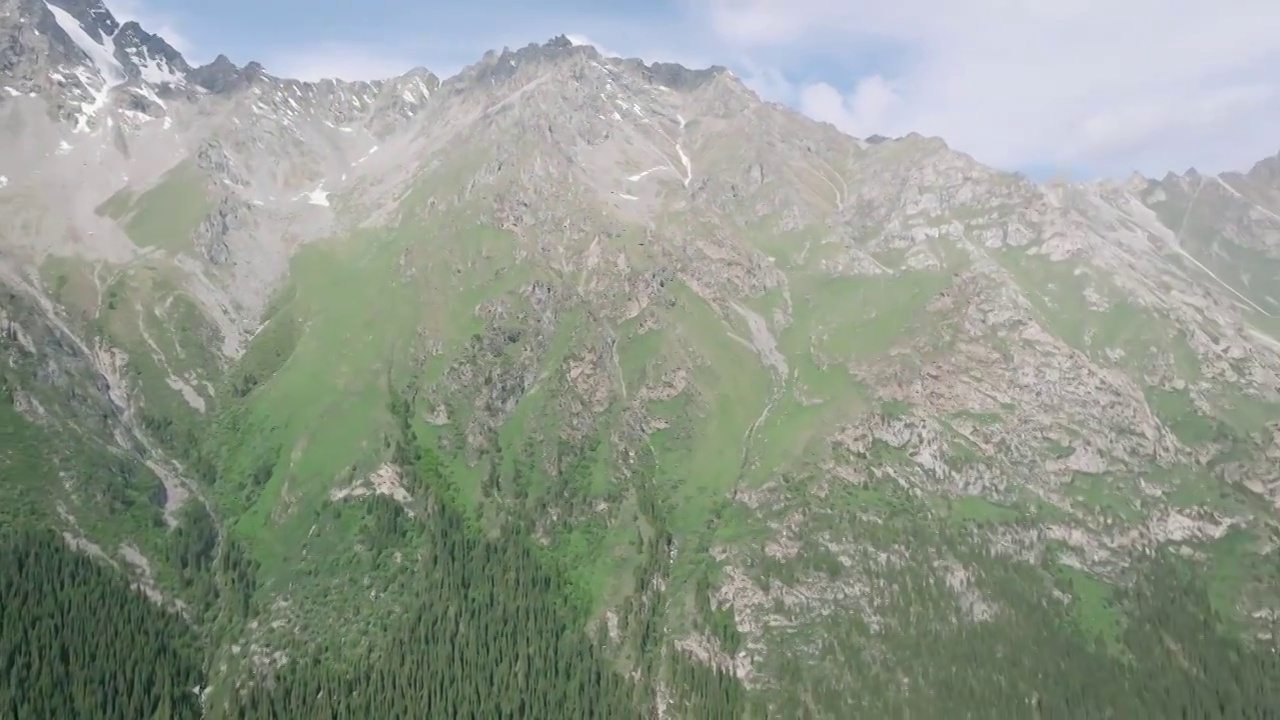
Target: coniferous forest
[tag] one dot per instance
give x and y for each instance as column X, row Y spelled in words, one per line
column 492, row 636
column 494, row 628
column 76, row 641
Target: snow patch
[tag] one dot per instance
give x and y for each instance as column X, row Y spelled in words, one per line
column 64, row 147
column 101, row 57
column 640, row 176
column 1252, row 204
column 137, row 117
column 154, row 70
column 103, row 60
column 372, row 150
column 146, row 92
column 688, row 167
column 3, row 181
column 319, row 196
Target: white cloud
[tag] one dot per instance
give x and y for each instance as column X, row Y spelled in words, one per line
column 1114, row 86
column 577, row 39
column 873, row 102
column 768, row 82
column 645, row 41
column 337, row 60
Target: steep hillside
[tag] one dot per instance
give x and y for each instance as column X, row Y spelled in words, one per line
column 572, row 384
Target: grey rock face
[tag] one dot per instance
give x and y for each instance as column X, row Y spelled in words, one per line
column 223, row 76
column 137, row 49
column 92, row 15
column 674, row 76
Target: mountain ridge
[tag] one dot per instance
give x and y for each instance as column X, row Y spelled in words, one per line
column 221, row 73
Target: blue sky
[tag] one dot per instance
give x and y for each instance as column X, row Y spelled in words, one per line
column 1082, row 87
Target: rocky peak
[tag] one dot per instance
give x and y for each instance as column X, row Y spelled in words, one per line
column 426, row 79
column 419, row 73
column 75, row 54
column 224, row 76
column 1267, row 172
column 92, row 15
column 674, row 75
column 497, row 67
column 1137, row 184
column 412, row 88
column 149, row 57
column 559, row 42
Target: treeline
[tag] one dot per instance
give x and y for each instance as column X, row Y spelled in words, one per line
column 214, row 580
column 76, row 641
column 491, row 637
column 493, row 628
column 1155, row 649
column 493, row 631
column 497, row 634
column 497, row 629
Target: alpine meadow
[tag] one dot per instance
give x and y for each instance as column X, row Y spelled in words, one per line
column 572, row 386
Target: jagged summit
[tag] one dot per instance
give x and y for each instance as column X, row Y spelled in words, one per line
column 499, row 66
column 1267, row 170
column 149, row 52
column 77, row 53
column 93, row 15
column 676, row 76
column 49, row 46
column 223, row 76
column 95, row 73
column 561, row 41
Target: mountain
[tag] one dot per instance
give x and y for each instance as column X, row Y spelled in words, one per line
column 578, row 386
